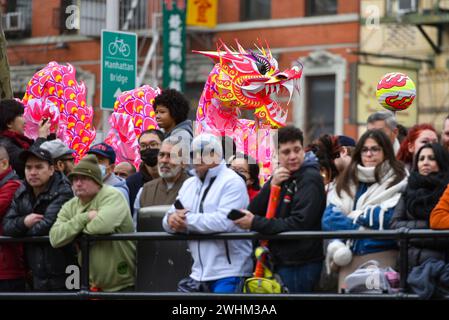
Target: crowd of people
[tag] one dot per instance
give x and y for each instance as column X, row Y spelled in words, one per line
column 382, row 181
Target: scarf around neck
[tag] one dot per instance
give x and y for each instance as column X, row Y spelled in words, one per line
column 423, row 193
column 18, row 139
column 378, row 193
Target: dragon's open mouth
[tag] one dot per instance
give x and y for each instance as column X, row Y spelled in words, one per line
column 272, row 91
column 274, row 87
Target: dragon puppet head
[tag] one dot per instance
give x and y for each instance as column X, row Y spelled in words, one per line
column 252, row 80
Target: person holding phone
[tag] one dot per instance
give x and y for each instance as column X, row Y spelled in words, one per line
column 302, row 202
column 219, row 266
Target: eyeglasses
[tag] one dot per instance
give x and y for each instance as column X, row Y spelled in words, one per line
column 240, row 170
column 373, row 150
column 151, row 145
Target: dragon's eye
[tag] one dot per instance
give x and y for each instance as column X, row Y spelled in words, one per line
column 262, row 63
column 262, row 68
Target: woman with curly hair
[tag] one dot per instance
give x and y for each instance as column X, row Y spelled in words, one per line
column 172, row 110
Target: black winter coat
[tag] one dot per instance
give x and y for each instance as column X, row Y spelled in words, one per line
column 47, row 264
column 413, row 212
column 303, row 213
column 14, row 150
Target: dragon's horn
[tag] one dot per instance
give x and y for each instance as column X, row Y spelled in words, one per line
column 241, row 49
column 214, row 55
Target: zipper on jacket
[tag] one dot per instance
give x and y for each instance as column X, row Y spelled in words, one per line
column 200, row 209
column 201, row 261
column 198, row 193
column 227, row 251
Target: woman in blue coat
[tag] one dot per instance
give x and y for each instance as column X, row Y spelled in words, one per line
column 364, row 198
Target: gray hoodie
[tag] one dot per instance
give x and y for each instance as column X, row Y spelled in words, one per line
column 118, row 183
column 183, row 129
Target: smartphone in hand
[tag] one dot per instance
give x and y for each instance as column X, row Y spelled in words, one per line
column 235, row 214
column 178, row 204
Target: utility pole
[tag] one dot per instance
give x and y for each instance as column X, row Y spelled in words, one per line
column 112, row 23
column 5, row 75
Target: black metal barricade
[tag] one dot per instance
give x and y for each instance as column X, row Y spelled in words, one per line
column 402, row 235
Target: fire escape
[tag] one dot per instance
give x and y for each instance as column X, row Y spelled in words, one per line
column 424, row 13
column 430, row 19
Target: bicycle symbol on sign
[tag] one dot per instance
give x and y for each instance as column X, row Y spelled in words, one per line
column 119, row 46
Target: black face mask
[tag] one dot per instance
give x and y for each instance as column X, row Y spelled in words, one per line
column 149, row 156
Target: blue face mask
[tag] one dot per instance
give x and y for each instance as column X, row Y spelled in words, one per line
column 103, row 170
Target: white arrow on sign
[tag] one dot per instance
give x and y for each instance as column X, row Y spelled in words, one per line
column 117, row 93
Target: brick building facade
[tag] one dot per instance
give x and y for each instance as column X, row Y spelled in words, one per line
column 321, row 34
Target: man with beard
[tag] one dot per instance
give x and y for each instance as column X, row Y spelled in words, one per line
column 164, row 189
column 62, row 155
column 149, row 144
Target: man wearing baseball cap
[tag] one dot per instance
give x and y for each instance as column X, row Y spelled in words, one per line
column 61, row 154
column 32, row 213
column 98, row 208
column 106, row 160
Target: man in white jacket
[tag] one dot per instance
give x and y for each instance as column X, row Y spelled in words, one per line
column 218, row 265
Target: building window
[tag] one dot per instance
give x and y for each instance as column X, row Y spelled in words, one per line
column 133, row 15
column 321, row 7
column 255, row 10
column 16, row 18
column 320, row 111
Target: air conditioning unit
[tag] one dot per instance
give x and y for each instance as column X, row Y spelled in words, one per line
column 406, row 6
column 13, row 21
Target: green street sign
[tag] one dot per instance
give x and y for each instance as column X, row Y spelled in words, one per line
column 174, row 44
column 118, row 65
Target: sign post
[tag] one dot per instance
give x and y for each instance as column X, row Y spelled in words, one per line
column 174, row 26
column 118, row 65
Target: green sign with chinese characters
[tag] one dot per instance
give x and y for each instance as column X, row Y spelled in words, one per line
column 174, row 26
column 118, row 65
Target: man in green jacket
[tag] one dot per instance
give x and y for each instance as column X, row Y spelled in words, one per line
column 98, row 209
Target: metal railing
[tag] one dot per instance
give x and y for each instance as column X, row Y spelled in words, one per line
column 402, row 235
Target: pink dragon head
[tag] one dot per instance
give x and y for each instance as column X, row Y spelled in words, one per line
column 251, row 80
column 55, row 94
column 133, row 114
